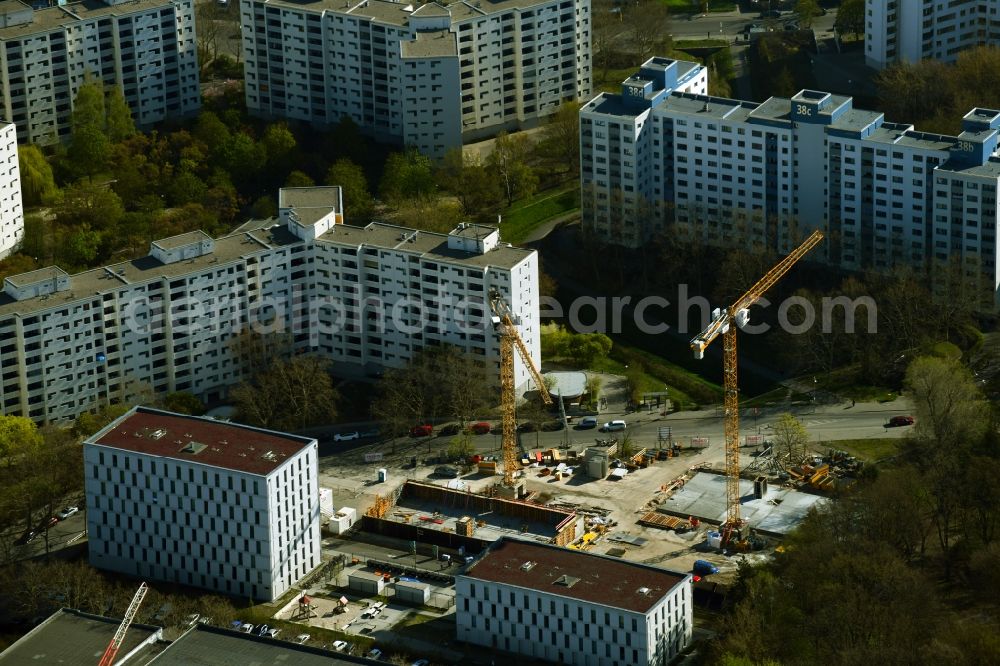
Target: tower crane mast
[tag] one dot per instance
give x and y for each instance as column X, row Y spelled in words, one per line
column 116, row 642
column 505, row 322
column 725, row 323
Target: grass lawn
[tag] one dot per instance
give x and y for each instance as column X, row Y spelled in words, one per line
column 844, row 382
column 695, row 7
column 871, row 450
column 525, row 216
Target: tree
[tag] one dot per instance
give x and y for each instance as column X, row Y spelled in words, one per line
column 89, row 151
column 608, row 26
column 38, row 185
column 299, row 179
column 949, row 408
column 119, row 119
column 88, row 204
column 351, row 179
column 210, row 31
column 648, row 21
column 81, row 246
column 508, row 162
column 586, row 347
column 19, row 439
column 460, row 447
column 303, row 382
column 469, row 181
column 407, row 175
column 279, row 146
column 806, row 11
column 183, row 402
column 252, row 350
column 851, row 18
column 89, row 105
column 789, row 439
column 560, row 142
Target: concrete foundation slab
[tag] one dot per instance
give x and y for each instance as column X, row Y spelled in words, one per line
column 704, row 497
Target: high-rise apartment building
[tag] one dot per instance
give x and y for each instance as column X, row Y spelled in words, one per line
column 911, row 30
column 11, row 209
column 195, row 501
column 664, row 158
column 554, row 604
column 146, row 47
column 368, row 297
column 431, row 75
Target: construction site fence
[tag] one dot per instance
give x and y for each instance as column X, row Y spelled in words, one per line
column 424, row 535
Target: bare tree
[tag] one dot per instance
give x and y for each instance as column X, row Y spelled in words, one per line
column 648, row 24
column 288, row 394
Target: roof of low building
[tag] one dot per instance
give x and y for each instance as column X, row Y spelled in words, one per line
column 72, row 637
column 595, row 579
column 430, row 44
column 200, row 439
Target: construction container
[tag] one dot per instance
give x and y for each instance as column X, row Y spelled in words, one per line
column 714, row 540
column 760, row 487
column 343, row 520
column 597, row 468
column 465, row 526
column 412, row 592
column 383, row 475
column 365, row 582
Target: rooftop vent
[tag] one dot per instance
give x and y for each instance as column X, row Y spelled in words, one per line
column 567, row 581
column 528, row 566
column 194, row 448
column 269, row 456
column 157, row 434
column 644, row 591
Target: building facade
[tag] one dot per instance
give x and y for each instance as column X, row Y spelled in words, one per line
column 555, row 604
column 147, row 48
column 430, row 75
column 661, row 159
column 365, row 297
column 199, row 502
column 912, row 30
column 11, row 208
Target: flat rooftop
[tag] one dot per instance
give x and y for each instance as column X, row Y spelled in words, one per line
column 569, row 384
column 704, row 497
column 211, row 646
column 71, row 637
column 429, row 245
column 596, row 579
column 52, row 18
column 200, row 439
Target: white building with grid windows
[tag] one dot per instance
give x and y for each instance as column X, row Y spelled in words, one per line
column 365, row 297
column 11, row 208
column 145, row 47
column 664, row 158
column 913, row 30
column 568, row 607
column 199, row 502
column 430, row 75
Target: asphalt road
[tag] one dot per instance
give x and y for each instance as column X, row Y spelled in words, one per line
column 62, row 534
column 730, row 25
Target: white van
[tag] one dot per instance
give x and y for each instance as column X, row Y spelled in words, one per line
column 613, row 426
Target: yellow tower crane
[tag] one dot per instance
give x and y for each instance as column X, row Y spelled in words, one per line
column 505, row 322
column 725, row 323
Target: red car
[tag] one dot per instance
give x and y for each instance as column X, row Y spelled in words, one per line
column 896, row 421
column 425, row 430
column 481, row 428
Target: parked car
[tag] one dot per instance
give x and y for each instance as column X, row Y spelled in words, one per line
column 369, row 433
column 481, row 428
column 552, row 426
column 272, row 633
column 27, row 537
column 246, row 628
column 587, row 422
column 339, row 645
column 446, row 471
column 451, row 429
column 424, row 430
column 896, row 421
column 67, row 512
column 49, row 522
column 375, row 653
column 704, row 568
column 302, row 638
column 613, row 426
column 527, row 426
column 346, row 436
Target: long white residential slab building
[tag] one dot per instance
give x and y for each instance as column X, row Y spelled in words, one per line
column 368, row 296
column 194, row 501
column 568, row 607
column 11, row 207
column 912, row 30
column 431, row 75
column 146, row 47
column 664, row 158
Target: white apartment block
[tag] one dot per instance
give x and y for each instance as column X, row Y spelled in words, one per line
column 195, row 501
column 568, row 607
column 430, row 75
column 913, row 30
column 11, row 209
column 659, row 159
column 365, row 297
column 145, row 47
